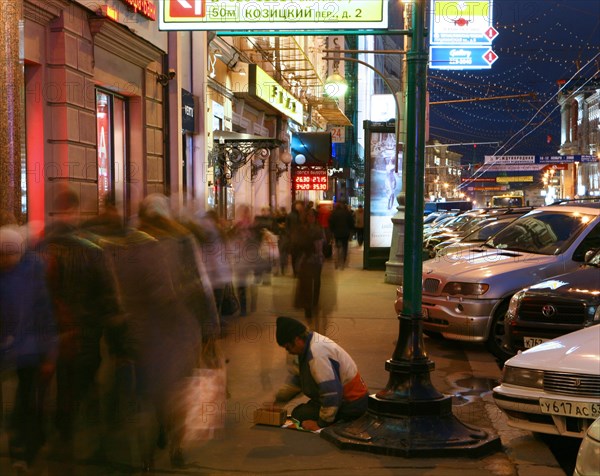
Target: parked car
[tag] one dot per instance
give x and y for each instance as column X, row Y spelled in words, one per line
column 588, row 456
column 554, row 387
column 466, row 298
column 475, row 239
column 479, row 230
column 459, row 226
column 554, row 307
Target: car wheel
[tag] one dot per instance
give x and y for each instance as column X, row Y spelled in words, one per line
column 496, row 337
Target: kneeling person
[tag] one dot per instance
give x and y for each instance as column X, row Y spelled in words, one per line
column 322, row 371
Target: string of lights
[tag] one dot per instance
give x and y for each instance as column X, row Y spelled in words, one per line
column 547, row 42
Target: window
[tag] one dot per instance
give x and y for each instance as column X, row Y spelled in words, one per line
column 111, row 150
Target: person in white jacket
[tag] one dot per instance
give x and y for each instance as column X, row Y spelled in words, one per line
column 324, row 372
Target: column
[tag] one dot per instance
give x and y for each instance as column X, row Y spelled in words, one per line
column 11, row 106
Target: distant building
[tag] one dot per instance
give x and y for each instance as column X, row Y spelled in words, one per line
column 580, row 134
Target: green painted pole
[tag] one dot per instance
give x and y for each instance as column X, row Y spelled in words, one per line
column 409, row 366
column 415, row 162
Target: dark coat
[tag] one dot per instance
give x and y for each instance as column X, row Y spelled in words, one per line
column 27, row 326
column 341, row 222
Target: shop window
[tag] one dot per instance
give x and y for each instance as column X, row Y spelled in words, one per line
column 111, row 121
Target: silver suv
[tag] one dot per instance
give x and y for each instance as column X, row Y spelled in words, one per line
column 466, row 297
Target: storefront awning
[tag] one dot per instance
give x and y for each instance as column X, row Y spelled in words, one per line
column 330, row 111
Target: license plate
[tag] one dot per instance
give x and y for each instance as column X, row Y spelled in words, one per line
column 572, row 409
column 425, row 313
column 529, row 342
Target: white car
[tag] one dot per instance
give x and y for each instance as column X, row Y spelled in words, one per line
column 465, row 297
column 588, row 457
column 554, row 387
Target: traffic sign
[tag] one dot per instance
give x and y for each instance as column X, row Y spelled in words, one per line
column 460, row 23
column 461, row 34
column 490, row 57
column 188, row 8
column 491, row 33
column 461, row 57
column 228, row 15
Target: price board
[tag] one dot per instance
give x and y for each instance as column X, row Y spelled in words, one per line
column 310, row 178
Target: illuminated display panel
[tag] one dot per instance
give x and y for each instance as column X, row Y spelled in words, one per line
column 310, row 178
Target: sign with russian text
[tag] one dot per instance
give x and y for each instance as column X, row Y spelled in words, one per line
column 272, row 14
column 539, row 159
column 461, row 34
column 310, row 178
column 145, row 8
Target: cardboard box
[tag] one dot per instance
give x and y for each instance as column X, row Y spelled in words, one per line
column 272, row 417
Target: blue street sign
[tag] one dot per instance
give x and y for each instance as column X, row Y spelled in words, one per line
column 461, row 57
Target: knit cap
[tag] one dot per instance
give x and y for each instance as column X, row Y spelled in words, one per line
column 288, row 329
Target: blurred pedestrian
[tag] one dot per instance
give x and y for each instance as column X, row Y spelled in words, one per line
column 292, row 223
column 28, row 342
column 212, row 239
column 341, row 224
column 359, row 224
column 309, row 241
column 283, row 244
column 84, row 304
column 323, row 214
column 177, row 324
column 247, row 262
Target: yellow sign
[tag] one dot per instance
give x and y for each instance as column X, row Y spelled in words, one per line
column 272, row 14
column 270, row 91
column 523, row 178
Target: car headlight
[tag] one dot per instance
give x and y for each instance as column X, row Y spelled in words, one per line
column 588, row 457
column 515, row 301
column 466, row 289
column 523, row 377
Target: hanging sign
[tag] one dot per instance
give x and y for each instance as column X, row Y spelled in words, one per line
column 461, row 34
column 272, row 14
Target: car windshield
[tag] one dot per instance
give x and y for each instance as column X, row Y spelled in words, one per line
column 547, row 233
column 486, row 231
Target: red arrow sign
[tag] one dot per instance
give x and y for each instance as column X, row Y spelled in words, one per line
column 490, row 56
column 187, row 8
column 491, row 33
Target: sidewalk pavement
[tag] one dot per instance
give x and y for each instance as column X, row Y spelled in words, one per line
column 360, row 316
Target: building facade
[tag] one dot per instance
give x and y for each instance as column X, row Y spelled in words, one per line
column 580, row 135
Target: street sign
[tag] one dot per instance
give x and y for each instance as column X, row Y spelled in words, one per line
column 461, row 34
column 284, row 15
column 459, row 23
column 461, row 57
column 491, row 33
column 490, row 57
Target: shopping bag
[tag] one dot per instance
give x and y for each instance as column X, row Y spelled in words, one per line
column 203, row 402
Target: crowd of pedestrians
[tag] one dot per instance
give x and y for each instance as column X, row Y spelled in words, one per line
column 114, row 317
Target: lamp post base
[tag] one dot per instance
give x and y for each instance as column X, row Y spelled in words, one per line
column 413, row 430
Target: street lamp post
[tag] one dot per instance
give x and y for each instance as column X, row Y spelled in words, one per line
column 410, row 417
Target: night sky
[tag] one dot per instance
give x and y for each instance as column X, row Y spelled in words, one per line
column 539, row 43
